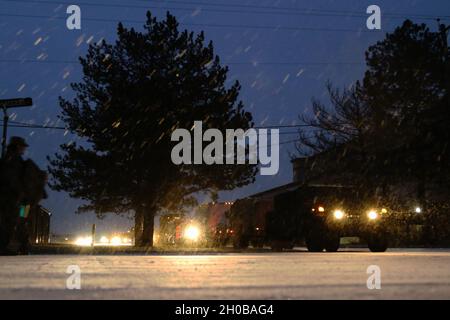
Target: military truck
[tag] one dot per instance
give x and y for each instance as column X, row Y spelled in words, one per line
column 321, row 215
column 247, row 220
column 170, row 229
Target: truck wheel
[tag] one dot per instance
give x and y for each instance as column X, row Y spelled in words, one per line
column 276, row 246
column 240, row 243
column 314, row 243
column 332, row 243
column 279, row 245
column 257, row 244
column 377, row 244
column 290, row 245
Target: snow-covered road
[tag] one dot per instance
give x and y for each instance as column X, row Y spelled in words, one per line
column 405, row 274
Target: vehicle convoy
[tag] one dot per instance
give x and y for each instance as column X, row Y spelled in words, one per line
column 208, row 227
column 247, row 220
column 316, row 209
column 315, row 215
column 179, row 230
column 319, row 215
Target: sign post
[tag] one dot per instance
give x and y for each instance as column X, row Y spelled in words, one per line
column 8, row 104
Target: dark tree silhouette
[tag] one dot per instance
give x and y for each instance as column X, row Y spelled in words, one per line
column 407, row 85
column 395, row 124
column 341, row 136
column 134, row 93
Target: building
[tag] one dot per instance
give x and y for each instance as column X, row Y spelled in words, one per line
column 39, row 225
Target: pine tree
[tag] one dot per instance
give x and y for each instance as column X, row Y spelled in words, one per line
column 394, row 125
column 133, row 94
column 407, row 84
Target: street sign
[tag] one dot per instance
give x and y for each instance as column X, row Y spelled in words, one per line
column 11, row 103
column 14, row 103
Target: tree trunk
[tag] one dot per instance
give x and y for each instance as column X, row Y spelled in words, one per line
column 149, row 226
column 144, row 224
column 138, row 226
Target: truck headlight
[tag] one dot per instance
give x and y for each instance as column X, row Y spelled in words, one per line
column 372, row 215
column 318, row 209
column 84, row 241
column 192, row 233
column 338, row 214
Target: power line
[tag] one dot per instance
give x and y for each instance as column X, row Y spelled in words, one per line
column 280, row 133
column 273, row 9
column 284, row 126
column 289, row 63
column 238, row 26
column 17, row 124
column 290, row 9
column 32, row 127
column 24, row 125
column 40, row 126
column 287, row 142
column 240, row 63
column 62, row 128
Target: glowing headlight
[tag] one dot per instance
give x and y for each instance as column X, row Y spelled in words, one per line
column 115, row 241
column 418, row 210
column 104, row 240
column 338, row 214
column 372, row 215
column 321, row 209
column 126, row 240
column 192, row 233
column 84, row 241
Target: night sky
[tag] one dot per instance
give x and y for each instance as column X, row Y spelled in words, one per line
column 282, row 58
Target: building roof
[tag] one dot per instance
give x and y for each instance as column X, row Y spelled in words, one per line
column 277, row 190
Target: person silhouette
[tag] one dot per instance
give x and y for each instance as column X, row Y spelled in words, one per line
column 22, row 186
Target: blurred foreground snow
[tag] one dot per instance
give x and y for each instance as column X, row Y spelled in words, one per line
column 405, row 274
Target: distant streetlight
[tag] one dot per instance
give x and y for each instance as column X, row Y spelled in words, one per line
column 6, row 104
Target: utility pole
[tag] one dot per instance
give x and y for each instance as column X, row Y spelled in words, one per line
column 93, row 235
column 9, row 104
